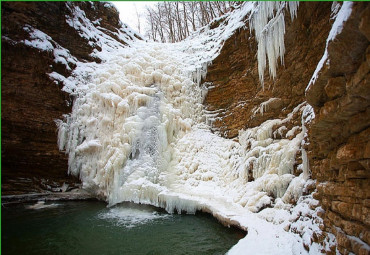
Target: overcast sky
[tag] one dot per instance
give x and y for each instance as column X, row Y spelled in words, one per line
column 128, row 13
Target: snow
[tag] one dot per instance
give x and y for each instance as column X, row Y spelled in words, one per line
column 41, row 205
column 264, row 105
column 308, row 114
column 88, row 146
column 43, row 42
column 138, row 131
column 92, row 32
column 341, row 18
column 205, row 44
column 39, row 40
column 109, row 5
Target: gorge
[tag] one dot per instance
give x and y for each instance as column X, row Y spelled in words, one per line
column 189, row 126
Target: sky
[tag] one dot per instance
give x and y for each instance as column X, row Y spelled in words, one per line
column 128, row 13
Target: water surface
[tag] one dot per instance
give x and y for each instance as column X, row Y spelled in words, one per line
column 92, row 228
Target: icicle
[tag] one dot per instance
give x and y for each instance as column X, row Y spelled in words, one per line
column 293, row 7
column 268, row 23
column 307, row 116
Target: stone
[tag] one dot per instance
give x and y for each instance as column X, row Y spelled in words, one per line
column 349, row 152
column 343, row 240
column 329, row 109
column 364, row 26
column 358, row 122
column 358, row 247
column 366, row 162
column 345, row 209
column 363, row 250
column 339, row 149
column 367, row 150
column 352, row 228
column 340, row 134
column 359, row 85
column 335, row 87
column 365, row 215
column 365, row 235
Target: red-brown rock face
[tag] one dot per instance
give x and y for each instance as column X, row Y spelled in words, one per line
column 31, row 101
column 340, row 134
column 339, row 147
column 237, row 90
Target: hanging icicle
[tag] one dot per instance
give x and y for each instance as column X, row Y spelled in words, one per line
column 267, row 20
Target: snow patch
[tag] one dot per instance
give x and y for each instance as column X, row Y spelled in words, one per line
column 341, row 18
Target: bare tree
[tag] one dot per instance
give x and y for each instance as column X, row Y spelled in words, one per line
column 185, row 20
column 138, row 18
column 171, row 21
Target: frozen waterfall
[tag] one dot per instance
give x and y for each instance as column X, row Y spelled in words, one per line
column 145, row 159
column 137, row 132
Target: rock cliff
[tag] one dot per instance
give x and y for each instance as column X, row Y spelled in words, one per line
column 31, row 100
column 236, row 94
column 340, row 134
column 338, row 139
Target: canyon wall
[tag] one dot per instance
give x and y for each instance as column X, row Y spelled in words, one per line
column 338, row 142
column 236, row 92
column 31, row 100
column 339, row 149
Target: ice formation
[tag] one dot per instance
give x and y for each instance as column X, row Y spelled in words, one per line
column 267, row 20
column 120, row 134
column 138, row 132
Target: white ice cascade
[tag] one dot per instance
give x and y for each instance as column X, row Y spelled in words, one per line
column 267, row 20
column 144, row 159
column 141, row 96
column 121, row 132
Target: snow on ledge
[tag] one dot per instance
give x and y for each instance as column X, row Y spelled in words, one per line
column 336, row 29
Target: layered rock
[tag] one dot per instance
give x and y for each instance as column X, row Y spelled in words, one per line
column 340, row 134
column 236, row 95
column 31, row 100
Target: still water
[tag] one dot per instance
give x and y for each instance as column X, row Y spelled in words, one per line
column 92, row 228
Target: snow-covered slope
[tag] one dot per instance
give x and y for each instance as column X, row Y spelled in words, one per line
column 138, row 133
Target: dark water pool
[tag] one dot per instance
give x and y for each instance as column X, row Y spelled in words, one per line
column 92, row 228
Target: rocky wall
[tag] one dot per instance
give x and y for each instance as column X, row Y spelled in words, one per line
column 235, row 94
column 339, row 149
column 338, row 139
column 31, row 101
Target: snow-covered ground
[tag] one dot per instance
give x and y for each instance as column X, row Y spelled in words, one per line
column 138, row 132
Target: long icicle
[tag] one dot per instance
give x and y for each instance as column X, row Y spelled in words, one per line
column 269, row 25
